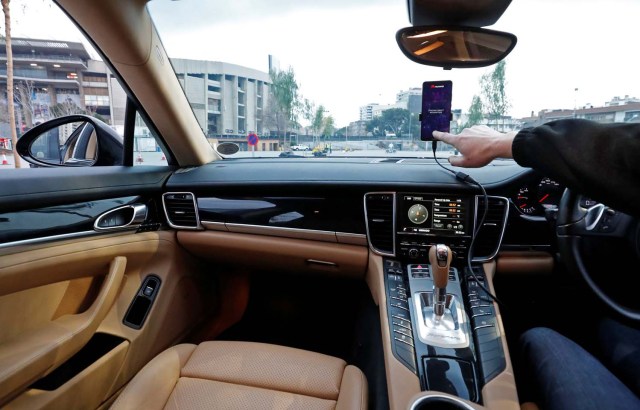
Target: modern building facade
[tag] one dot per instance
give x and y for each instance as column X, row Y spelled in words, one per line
column 53, row 78
column 410, row 99
column 366, row 111
column 228, row 100
column 617, row 110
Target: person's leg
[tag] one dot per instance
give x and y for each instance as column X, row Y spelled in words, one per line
column 568, row 377
column 621, row 351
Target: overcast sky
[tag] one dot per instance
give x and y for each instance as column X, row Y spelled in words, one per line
column 345, row 55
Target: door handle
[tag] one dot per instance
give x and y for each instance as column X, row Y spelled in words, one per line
column 124, row 217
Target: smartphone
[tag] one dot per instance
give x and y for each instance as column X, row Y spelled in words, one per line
column 436, row 108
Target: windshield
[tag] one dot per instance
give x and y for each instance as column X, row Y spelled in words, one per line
column 327, row 78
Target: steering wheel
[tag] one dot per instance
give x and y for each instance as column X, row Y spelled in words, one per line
column 581, row 220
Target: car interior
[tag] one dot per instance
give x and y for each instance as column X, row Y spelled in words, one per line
column 287, row 282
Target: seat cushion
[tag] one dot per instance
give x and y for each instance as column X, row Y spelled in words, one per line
column 244, row 375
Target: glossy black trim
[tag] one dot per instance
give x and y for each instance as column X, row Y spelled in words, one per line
column 43, row 187
column 315, row 213
column 56, row 220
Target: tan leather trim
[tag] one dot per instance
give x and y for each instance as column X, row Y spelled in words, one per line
column 402, row 384
column 212, row 394
column 243, row 375
column 268, row 367
column 124, row 31
column 36, row 308
column 80, row 389
column 33, row 354
column 500, row 393
column 177, row 309
column 353, row 390
column 151, row 388
column 521, row 262
column 79, row 295
column 266, row 252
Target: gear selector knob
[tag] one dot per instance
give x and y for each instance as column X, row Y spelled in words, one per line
column 440, row 260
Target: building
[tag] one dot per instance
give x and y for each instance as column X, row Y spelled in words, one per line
column 410, row 99
column 366, row 111
column 228, row 100
column 617, row 110
column 54, row 78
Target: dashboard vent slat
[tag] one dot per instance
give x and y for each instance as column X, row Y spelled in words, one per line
column 380, row 212
column 489, row 237
column 180, row 210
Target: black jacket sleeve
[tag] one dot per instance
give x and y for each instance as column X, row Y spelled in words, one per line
column 601, row 161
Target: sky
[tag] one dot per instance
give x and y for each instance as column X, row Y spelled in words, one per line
column 345, row 55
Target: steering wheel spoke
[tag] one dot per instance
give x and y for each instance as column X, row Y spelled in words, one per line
column 601, row 221
column 577, row 223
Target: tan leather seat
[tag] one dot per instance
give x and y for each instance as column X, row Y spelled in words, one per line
column 244, row 375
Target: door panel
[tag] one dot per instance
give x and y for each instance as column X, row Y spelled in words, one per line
column 49, row 286
column 31, row 354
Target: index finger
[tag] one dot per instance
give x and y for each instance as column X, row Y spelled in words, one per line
column 444, row 137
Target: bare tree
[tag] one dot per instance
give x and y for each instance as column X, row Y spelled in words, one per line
column 24, row 99
column 67, row 107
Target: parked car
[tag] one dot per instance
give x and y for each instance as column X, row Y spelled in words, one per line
column 214, row 279
column 300, row 147
column 289, row 154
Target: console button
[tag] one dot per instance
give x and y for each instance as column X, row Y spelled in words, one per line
column 403, row 339
column 400, row 314
column 402, row 331
column 401, row 322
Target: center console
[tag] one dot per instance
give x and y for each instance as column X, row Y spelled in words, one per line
column 442, row 323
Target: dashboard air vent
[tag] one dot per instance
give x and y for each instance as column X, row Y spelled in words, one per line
column 180, row 210
column 489, row 238
column 379, row 209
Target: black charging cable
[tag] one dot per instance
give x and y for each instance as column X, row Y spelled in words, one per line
column 466, row 178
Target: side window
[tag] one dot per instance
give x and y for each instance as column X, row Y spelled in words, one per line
column 146, row 150
column 57, row 78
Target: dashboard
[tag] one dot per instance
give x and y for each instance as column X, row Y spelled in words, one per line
column 323, row 198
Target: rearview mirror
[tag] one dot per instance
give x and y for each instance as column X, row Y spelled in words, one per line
column 455, row 47
column 71, row 141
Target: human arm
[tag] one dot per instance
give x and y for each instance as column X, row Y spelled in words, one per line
column 479, row 145
column 598, row 160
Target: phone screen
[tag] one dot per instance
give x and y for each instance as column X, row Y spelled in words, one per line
column 436, row 108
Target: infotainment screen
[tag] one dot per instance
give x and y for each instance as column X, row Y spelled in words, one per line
column 434, row 215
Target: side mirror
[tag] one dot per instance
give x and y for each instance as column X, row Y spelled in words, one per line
column 227, row 148
column 454, row 47
column 71, row 141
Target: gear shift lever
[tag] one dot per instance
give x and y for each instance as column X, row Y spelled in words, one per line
column 440, row 260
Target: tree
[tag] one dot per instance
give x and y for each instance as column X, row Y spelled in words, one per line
column 6, row 9
column 318, row 120
column 393, row 120
column 475, row 112
column 493, row 90
column 284, row 91
column 24, row 100
column 328, row 127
